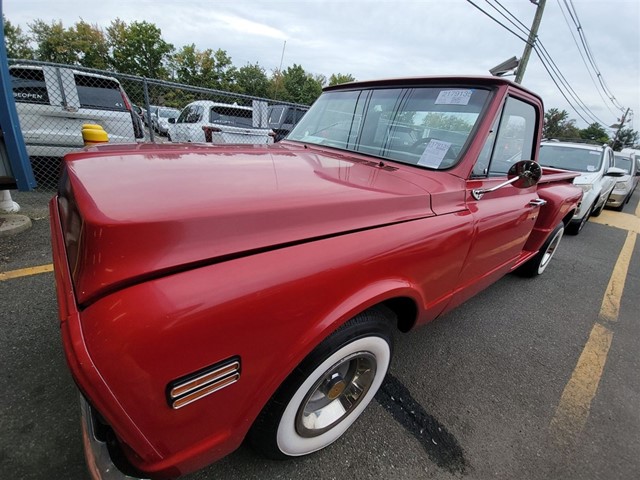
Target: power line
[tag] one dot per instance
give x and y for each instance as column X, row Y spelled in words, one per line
column 606, row 104
column 547, row 62
column 520, row 26
column 566, row 83
column 583, row 39
column 524, row 27
column 498, row 22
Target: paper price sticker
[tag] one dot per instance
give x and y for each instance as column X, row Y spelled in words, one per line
column 434, row 153
column 454, row 97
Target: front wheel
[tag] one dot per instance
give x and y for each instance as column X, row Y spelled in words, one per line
column 598, row 210
column 574, row 228
column 538, row 264
column 328, row 391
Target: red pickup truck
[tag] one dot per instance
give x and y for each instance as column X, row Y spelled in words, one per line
column 209, row 294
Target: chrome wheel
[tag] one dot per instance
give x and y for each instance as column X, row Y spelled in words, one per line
column 352, row 376
column 328, row 390
column 550, row 251
column 336, row 394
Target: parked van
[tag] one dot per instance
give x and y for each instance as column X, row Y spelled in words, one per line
column 53, row 103
column 212, row 122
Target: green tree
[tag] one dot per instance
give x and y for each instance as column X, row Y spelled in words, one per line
column 252, row 80
column 626, row 138
column 299, row 86
column 338, row 78
column 558, row 125
column 138, row 49
column 89, row 45
column 206, row 68
column 54, row 43
column 16, row 42
column 595, row 132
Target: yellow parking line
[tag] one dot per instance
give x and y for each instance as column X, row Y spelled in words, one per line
column 611, row 302
column 23, row 272
column 575, row 403
column 573, row 411
column 624, row 221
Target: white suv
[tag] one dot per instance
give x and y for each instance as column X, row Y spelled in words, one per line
column 595, row 163
column 213, row 122
column 53, row 103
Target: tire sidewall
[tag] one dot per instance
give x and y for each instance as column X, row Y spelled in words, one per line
column 289, row 442
column 558, row 231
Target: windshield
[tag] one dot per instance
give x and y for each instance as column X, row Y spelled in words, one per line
column 623, row 163
column 168, row 113
column 426, row 126
column 569, row 158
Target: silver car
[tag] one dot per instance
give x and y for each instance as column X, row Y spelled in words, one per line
column 160, row 119
column 626, row 184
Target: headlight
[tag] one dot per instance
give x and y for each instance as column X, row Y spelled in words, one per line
column 620, row 185
column 585, row 188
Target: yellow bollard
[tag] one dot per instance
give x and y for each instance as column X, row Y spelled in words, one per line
column 93, row 134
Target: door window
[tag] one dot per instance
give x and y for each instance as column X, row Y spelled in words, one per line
column 513, row 142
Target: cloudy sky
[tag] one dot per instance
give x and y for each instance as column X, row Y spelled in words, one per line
column 379, row 38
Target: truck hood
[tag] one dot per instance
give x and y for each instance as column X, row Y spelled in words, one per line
column 148, row 210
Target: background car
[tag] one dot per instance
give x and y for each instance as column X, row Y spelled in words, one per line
column 282, row 119
column 598, row 175
column 160, row 119
column 625, row 185
column 212, row 122
column 53, row 103
column 146, row 118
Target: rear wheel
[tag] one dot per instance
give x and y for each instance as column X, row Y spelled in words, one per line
column 538, row 264
column 328, row 391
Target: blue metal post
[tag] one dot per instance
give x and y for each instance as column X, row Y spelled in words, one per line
column 14, row 142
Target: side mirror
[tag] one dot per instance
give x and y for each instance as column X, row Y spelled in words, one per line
column 172, row 120
column 616, row 172
column 522, row 174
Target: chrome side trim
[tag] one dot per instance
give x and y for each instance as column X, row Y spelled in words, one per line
column 184, row 391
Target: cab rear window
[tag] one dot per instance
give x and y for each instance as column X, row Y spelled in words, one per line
column 238, row 117
column 96, row 92
column 29, row 85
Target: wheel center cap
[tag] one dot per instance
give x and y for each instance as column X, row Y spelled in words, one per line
column 336, row 387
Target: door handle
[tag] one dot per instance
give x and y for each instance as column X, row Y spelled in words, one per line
column 537, row 202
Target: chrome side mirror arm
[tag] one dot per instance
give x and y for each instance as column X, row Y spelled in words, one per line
column 522, row 174
column 477, row 193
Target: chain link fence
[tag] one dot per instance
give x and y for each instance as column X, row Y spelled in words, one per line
column 54, row 101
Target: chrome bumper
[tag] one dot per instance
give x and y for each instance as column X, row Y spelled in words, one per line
column 95, row 452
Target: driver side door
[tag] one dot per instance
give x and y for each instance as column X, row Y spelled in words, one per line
column 503, row 219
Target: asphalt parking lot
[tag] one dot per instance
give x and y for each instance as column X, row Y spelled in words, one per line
column 531, row 379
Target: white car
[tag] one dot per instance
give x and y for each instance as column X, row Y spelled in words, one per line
column 598, row 175
column 160, row 119
column 53, row 103
column 626, row 185
column 204, row 121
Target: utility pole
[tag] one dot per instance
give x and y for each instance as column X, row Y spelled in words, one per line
column 620, row 125
column 533, row 33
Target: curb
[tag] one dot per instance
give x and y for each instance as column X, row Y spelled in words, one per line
column 12, row 224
